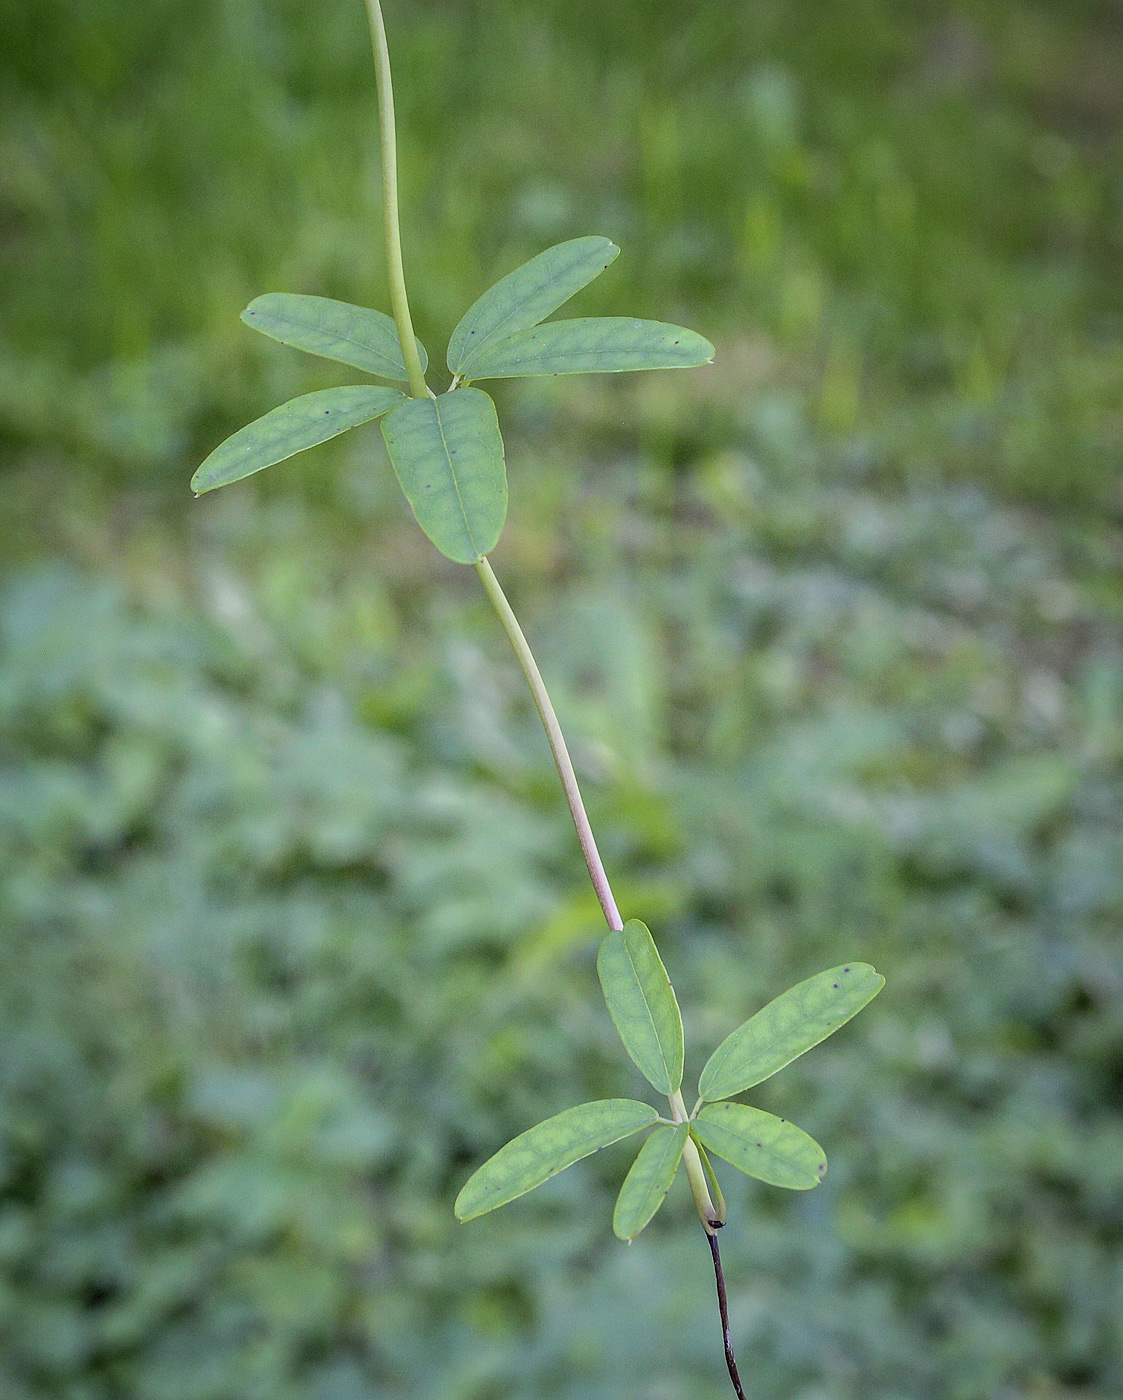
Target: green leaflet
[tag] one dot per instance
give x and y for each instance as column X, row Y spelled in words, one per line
column 642, row 1004
column 356, row 335
column 283, row 431
column 543, row 1151
column 526, row 296
column 596, row 344
column 761, row 1145
column 787, row 1027
column 448, row 457
column 646, row 1185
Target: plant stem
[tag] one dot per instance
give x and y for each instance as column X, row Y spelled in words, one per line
column 557, row 743
column 723, row 1309
column 399, row 302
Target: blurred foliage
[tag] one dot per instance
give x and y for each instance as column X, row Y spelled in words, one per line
column 295, row 931
column 883, row 204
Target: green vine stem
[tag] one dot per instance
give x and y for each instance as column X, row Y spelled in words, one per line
column 399, row 302
column 712, row 1218
column 557, row 743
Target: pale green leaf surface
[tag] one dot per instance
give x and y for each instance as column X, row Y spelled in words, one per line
column 761, row 1145
column 354, row 335
column 294, row 426
column 543, row 1151
column 646, row 1185
column 526, row 296
column 448, row 457
column 592, row 344
column 787, row 1027
column 641, row 1002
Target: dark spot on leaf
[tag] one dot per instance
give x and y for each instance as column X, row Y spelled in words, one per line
column 846, row 969
column 835, row 985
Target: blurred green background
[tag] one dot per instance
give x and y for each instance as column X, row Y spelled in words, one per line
column 294, row 928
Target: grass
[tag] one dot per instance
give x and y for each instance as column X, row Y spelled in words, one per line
column 908, row 218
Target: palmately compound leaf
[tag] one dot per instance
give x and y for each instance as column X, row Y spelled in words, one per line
column 646, row 1185
column 354, row 335
column 787, row 1027
column 296, row 425
column 448, row 457
column 592, row 345
column 543, row 1151
column 641, row 1002
column 526, row 296
column 761, row 1145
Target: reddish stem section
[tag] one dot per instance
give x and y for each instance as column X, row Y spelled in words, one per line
column 723, row 1308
